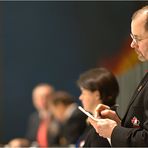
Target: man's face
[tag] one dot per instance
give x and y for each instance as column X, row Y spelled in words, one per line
column 58, row 111
column 140, row 35
column 41, row 97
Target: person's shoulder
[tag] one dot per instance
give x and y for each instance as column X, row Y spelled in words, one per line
column 77, row 117
column 79, row 114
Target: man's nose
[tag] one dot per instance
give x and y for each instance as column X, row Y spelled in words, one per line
column 134, row 44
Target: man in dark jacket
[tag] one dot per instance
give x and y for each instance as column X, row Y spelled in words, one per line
column 40, row 126
column 133, row 129
column 73, row 121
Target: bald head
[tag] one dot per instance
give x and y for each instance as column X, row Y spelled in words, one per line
column 143, row 12
column 42, row 86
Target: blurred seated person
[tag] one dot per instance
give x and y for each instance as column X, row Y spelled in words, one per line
column 97, row 86
column 18, row 143
column 73, row 121
column 42, row 126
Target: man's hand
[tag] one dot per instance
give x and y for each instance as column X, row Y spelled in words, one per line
column 103, row 127
column 103, row 111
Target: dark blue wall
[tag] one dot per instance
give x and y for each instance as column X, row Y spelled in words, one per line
column 54, row 42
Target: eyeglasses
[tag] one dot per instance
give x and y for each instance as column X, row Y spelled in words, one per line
column 136, row 39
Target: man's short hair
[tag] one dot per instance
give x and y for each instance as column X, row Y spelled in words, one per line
column 62, row 97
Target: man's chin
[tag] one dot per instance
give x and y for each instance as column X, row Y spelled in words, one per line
column 141, row 58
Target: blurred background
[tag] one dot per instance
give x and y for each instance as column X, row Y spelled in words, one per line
column 55, row 42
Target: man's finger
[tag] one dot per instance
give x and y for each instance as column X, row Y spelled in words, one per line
column 107, row 113
column 91, row 121
column 99, row 109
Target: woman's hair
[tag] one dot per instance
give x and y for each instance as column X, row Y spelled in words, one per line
column 102, row 80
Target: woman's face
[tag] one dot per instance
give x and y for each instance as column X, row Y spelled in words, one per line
column 89, row 99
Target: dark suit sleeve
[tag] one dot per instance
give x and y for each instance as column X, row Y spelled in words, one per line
column 122, row 136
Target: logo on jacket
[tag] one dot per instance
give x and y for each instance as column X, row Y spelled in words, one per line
column 135, row 122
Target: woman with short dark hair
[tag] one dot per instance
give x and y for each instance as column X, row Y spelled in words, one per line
column 97, row 86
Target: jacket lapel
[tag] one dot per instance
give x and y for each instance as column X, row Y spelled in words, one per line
column 138, row 90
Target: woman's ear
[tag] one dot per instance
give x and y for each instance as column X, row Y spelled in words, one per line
column 97, row 94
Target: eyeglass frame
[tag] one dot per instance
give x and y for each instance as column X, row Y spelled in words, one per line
column 135, row 39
